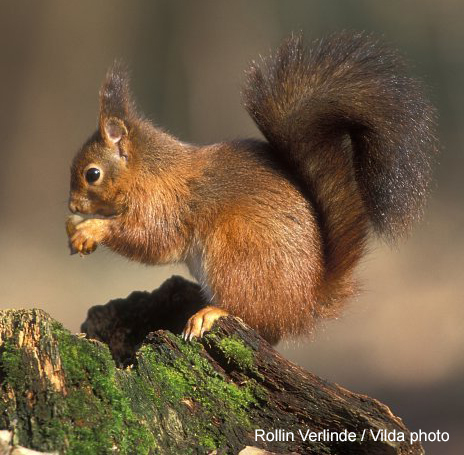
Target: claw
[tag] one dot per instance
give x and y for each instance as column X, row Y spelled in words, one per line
column 201, row 322
column 85, row 235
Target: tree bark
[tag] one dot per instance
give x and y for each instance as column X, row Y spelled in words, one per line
column 140, row 389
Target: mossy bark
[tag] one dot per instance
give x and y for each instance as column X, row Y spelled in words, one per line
column 135, row 392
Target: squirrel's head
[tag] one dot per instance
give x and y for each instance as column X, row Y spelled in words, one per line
column 123, row 150
column 101, row 167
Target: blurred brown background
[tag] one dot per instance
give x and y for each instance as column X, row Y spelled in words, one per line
column 402, row 341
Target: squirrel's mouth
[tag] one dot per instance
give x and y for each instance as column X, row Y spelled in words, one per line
column 90, row 209
column 89, row 216
column 87, row 213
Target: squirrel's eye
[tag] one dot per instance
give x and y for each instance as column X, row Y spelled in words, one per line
column 92, row 175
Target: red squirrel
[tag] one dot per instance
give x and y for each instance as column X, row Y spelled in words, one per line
column 272, row 229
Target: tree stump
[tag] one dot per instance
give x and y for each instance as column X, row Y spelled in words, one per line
column 133, row 386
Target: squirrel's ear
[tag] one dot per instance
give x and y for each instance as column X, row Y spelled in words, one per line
column 117, row 110
column 113, row 130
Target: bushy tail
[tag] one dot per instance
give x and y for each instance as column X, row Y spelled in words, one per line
column 356, row 129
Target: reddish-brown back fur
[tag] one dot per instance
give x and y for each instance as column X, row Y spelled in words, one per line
column 259, row 241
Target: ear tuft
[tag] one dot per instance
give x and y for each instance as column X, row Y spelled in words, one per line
column 117, row 110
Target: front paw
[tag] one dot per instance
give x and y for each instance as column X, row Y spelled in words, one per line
column 81, row 243
column 86, row 235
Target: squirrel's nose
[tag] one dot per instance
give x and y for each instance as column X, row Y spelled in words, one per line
column 73, row 207
column 75, row 202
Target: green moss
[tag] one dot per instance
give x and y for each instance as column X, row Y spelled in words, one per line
column 12, row 365
column 181, row 397
column 14, row 377
column 235, row 351
column 171, row 384
column 207, row 442
column 189, row 377
column 212, row 387
column 99, row 414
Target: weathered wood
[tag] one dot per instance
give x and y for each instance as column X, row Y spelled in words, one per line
column 63, row 392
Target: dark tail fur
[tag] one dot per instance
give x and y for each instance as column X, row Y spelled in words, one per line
column 359, row 133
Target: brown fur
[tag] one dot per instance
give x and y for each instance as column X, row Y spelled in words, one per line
column 271, row 230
